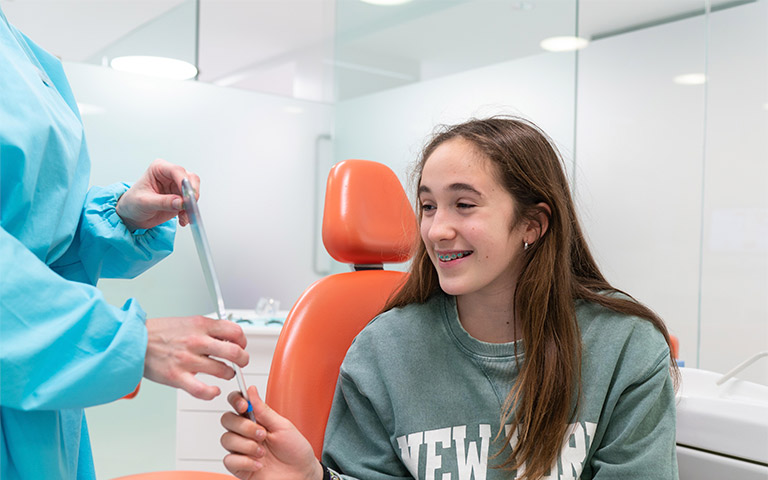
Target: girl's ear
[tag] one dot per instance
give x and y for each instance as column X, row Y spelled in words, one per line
column 539, row 223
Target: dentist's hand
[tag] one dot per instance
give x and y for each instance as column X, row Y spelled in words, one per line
column 156, row 197
column 272, row 448
column 180, row 347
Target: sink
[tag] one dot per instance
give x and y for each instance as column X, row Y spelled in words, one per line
column 730, row 419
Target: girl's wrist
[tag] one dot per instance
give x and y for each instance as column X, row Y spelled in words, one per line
column 329, row 474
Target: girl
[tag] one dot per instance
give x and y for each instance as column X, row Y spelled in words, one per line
column 505, row 355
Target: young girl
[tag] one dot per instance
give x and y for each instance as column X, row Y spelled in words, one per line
column 505, row 355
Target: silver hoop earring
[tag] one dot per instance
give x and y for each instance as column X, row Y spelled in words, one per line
column 525, row 245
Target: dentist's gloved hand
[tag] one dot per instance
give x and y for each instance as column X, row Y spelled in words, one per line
column 180, row 347
column 156, row 197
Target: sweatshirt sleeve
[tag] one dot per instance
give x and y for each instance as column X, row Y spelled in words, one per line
column 356, row 444
column 639, row 442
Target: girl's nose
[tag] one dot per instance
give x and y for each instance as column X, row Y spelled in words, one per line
column 440, row 227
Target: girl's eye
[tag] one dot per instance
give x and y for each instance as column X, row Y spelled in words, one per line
column 464, row 205
column 425, row 207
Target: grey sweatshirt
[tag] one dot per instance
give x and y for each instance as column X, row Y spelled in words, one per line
column 418, row 397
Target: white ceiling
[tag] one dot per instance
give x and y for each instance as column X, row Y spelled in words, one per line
column 326, row 49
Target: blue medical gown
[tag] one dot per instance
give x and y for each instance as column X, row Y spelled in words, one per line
column 62, row 346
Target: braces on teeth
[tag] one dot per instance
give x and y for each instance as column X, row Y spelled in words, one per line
column 453, row 256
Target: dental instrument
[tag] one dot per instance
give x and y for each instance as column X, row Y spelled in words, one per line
column 206, row 261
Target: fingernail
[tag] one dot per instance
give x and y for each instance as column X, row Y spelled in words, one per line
column 177, row 203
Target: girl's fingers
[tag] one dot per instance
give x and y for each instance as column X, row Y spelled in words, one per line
column 243, row 426
column 242, row 446
column 241, row 466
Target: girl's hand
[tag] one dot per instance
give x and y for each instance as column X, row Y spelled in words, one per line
column 271, row 448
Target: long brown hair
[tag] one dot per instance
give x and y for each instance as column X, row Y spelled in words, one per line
column 558, row 269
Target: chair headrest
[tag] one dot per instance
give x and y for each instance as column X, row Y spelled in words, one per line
column 368, row 219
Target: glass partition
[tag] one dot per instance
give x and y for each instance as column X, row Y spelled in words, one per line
column 380, row 47
column 661, row 117
column 402, row 70
column 734, row 259
column 639, row 163
column 671, row 172
column 170, row 34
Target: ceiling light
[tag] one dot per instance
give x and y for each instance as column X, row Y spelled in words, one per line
column 563, row 44
column 690, row 79
column 385, row 2
column 293, row 109
column 155, row 66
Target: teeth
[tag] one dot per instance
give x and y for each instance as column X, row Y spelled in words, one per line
column 453, row 256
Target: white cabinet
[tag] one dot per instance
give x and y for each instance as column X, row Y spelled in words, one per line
column 198, row 426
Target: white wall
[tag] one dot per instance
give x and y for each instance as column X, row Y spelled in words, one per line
column 255, row 160
column 673, row 179
column 734, row 305
column 639, row 148
column 392, row 126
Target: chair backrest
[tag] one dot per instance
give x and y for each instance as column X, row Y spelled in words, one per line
column 367, row 222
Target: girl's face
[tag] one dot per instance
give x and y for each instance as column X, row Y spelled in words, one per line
column 467, row 222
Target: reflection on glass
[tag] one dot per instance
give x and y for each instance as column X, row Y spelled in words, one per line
column 378, row 48
column 171, row 34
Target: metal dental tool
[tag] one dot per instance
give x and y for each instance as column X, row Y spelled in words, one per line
column 204, row 252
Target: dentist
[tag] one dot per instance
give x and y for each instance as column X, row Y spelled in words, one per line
column 62, row 346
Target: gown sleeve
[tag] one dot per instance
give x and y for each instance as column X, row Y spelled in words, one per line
column 61, row 344
column 104, row 247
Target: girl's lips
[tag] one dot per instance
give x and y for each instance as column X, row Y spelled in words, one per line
column 451, row 256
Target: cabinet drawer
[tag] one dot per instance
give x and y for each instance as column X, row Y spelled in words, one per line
column 198, row 435
column 185, row 401
column 260, row 348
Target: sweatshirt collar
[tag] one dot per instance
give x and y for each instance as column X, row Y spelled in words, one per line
column 470, row 344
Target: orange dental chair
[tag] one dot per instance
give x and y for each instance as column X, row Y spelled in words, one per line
column 367, row 222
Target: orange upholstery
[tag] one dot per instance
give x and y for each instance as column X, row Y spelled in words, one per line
column 177, row 475
column 367, row 221
column 675, row 346
column 367, row 217
column 133, row 393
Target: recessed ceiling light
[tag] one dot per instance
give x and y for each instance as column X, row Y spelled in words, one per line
column 385, row 2
column 155, row 66
column 690, row 79
column 563, row 44
column 765, row 105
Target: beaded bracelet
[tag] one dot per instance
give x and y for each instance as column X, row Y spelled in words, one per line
column 329, row 474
